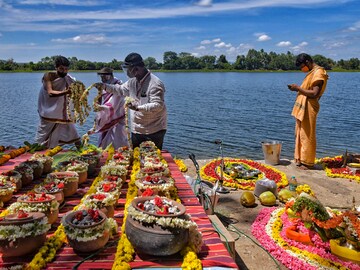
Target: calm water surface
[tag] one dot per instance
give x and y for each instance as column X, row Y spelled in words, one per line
column 241, row 109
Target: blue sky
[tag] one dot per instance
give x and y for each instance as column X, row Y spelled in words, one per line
column 102, row 30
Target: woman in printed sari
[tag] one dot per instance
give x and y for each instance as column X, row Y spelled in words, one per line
column 55, row 127
column 306, row 109
column 110, row 120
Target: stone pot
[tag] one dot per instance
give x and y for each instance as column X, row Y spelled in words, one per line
column 22, row 245
column 86, row 246
column 52, row 215
column 27, row 173
column 153, row 239
column 70, row 180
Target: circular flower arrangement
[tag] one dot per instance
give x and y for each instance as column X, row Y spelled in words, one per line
column 75, row 166
column 333, row 168
column 252, row 171
column 69, row 179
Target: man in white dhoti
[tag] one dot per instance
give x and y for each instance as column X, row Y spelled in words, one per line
column 110, row 120
column 55, row 128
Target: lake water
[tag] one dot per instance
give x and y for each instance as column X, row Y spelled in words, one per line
column 241, row 109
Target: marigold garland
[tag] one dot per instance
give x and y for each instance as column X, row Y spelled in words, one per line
column 180, row 163
column 125, row 251
column 333, row 168
column 209, row 172
column 47, row 252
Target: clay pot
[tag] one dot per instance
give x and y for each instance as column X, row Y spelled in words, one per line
column 59, row 194
column 108, row 210
column 14, row 177
column 153, row 239
column 82, row 177
column 51, row 215
column 23, row 245
column 27, row 173
column 70, row 180
column 5, row 193
column 145, row 182
column 91, row 201
column 88, row 246
column 37, row 167
column 93, row 160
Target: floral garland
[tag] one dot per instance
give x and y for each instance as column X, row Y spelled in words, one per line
column 12, row 232
column 180, row 163
column 48, row 251
column 165, row 187
column 81, row 108
column 209, row 172
column 333, row 169
column 125, row 251
column 270, row 229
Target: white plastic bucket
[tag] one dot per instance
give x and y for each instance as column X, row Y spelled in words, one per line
column 272, row 151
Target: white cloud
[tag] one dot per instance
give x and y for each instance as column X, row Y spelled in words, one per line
column 61, row 3
column 84, row 39
column 263, row 38
column 201, row 48
column 205, row 42
column 204, row 3
column 216, row 40
column 299, row 47
column 222, row 45
column 284, row 44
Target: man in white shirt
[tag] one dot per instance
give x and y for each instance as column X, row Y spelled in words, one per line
column 148, row 114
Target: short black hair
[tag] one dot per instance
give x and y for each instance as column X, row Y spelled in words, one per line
column 134, row 59
column 302, row 58
column 61, row 61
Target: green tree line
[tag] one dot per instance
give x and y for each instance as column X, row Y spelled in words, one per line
column 253, row 60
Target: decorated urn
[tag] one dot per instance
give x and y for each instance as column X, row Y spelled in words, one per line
column 22, row 233
column 37, row 167
column 75, row 166
column 86, row 230
column 160, row 185
column 14, row 177
column 52, row 188
column 69, row 179
column 150, row 225
column 26, row 173
column 35, row 202
column 47, row 162
column 101, row 201
column 6, row 190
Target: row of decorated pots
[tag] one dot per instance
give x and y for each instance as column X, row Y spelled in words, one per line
column 157, row 225
column 20, row 232
column 23, row 174
column 90, row 227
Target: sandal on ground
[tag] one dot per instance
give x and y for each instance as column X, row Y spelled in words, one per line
column 305, row 167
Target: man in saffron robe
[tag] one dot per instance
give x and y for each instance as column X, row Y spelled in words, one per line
column 306, row 109
column 110, row 120
column 55, row 127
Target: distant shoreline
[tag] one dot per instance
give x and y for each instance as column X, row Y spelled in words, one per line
column 182, row 71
